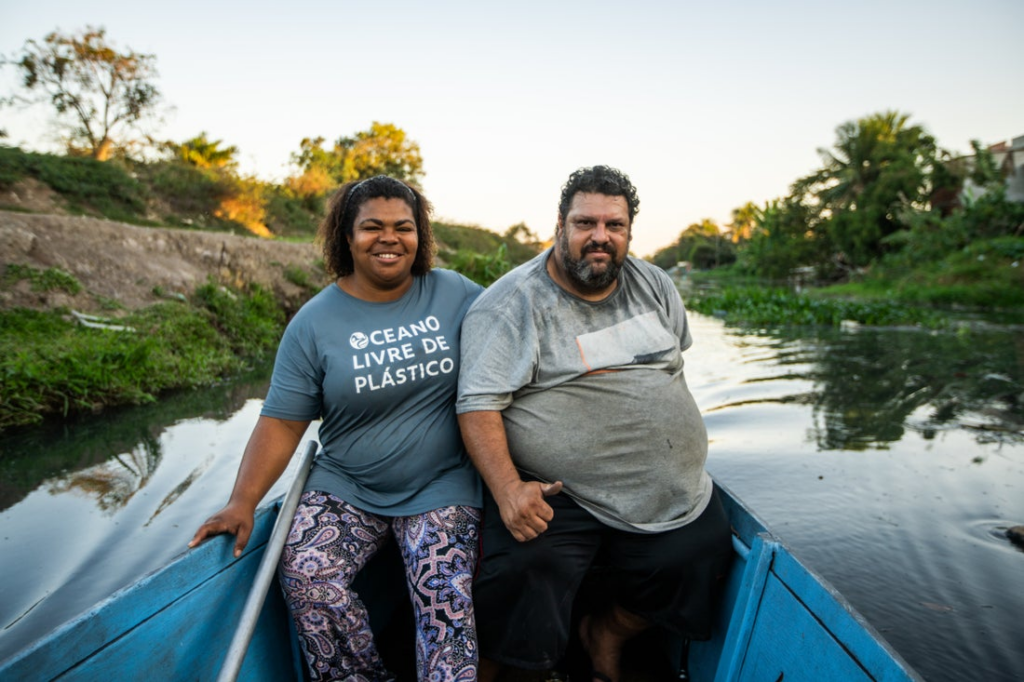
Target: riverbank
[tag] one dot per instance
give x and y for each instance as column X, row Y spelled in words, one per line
column 121, row 268
column 97, row 313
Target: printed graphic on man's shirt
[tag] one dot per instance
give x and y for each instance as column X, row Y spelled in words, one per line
column 396, row 355
column 636, row 341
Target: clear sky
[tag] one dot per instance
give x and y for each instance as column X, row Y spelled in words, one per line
column 706, row 105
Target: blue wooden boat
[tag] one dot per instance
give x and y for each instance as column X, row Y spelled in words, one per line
column 778, row 622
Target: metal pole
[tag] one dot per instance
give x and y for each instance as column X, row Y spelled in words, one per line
column 267, row 569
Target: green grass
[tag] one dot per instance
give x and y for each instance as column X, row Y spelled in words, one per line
column 50, row 364
column 250, row 321
column 455, row 238
column 986, row 275
column 985, row 278
column 88, row 186
column 51, row 279
column 189, row 197
column 483, row 269
column 292, row 217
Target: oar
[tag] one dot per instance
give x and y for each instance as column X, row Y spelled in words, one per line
column 267, row 569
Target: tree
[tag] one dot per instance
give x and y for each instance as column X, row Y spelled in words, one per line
column 203, row 153
column 701, row 244
column 521, row 233
column 384, row 149
column 744, row 218
column 781, row 240
column 97, row 92
column 878, row 166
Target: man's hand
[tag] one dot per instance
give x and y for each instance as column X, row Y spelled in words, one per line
column 234, row 519
column 523, row 509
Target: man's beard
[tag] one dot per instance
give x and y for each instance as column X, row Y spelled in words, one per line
column 582, row 273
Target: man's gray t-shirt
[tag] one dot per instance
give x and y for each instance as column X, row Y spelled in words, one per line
column 592, row 393
column 383, row 378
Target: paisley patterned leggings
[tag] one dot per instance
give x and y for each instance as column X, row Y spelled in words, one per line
column 331, row 540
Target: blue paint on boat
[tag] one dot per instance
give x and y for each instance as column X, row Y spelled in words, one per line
column 778, row 621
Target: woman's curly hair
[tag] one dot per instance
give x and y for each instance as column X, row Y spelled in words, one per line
column 337, row 225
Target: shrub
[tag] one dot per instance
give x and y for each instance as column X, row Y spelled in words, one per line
column 87, row 185
column 289, row 216
column 244, row 204
column 50, row 279
column 484, row 269
column 190, row 193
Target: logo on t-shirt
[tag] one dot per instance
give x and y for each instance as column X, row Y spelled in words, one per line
column 359, row 340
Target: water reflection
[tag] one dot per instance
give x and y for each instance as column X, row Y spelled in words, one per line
column 113, row 482
column 871, row 385
column 891, row 461
column 111, row 455
column 91, row 504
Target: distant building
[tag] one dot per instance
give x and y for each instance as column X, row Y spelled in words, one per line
column 1009, row 158
column 680, row 270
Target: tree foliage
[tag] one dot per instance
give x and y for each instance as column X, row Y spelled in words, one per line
column 879, row 166
column 744, row 220
column 702, row 244
column 522, row 234
column 204, row 153
column 889, row 213
column 98, row 93
column 781, row 241
column 383, row 149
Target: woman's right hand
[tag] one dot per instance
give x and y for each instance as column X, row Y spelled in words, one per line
column 235, row 518
column 271, row 445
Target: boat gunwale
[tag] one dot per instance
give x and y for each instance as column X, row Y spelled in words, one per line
column 73, row 648
column 762, row 556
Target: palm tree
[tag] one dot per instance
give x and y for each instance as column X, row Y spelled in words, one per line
column 744, row 218
column 878, row 165
column 204, row 153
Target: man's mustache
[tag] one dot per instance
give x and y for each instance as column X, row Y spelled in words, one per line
column 593, row 247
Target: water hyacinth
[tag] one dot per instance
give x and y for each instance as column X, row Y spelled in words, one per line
column 771, row 307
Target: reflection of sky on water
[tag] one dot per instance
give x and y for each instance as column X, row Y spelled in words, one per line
column 891, row 462
column 82, row 535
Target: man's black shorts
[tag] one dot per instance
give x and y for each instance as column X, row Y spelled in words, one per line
column 524, row 592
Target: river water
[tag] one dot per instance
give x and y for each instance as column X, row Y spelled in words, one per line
column 890, row 461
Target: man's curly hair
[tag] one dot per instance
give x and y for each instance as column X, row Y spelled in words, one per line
column 599, row 180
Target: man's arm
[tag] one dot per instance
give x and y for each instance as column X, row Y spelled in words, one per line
column 523, row 509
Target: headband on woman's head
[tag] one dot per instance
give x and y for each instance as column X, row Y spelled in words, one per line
column 348, row 201
column 411, row 196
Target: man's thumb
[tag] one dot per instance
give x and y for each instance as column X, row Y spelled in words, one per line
column 551, row 488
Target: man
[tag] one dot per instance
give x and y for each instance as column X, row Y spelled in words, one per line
column 574, row 409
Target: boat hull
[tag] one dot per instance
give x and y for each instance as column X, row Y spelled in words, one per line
column 778, row 620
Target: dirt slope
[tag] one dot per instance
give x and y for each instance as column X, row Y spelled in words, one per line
column 125, row 266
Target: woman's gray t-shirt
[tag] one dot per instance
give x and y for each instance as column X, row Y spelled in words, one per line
column 383, row 378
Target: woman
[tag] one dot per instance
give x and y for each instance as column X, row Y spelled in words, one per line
column 375, row 355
